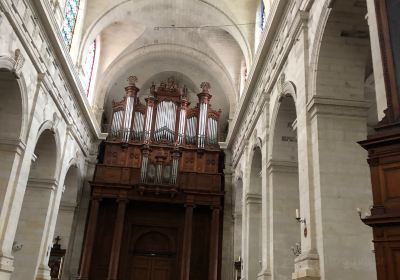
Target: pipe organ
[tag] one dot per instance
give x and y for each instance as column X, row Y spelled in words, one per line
column 161, row 159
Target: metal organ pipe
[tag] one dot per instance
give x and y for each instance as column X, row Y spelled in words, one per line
column 130, row 103
column 202, row 125
column 138, row 126
column 117, row 122
column 182, row 122
column 165, row 121
column 143, row 171
column 149, row 118
column 212, row 131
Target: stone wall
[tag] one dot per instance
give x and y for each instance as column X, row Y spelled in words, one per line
column 314, row 54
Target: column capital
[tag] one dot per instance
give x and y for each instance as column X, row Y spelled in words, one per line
column 50, row 184
column 12, row 145
column 326, row 105
column 122, row 200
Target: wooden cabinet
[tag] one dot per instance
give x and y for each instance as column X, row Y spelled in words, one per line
column 165, row 172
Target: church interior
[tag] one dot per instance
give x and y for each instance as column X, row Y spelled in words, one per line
column 199, row 139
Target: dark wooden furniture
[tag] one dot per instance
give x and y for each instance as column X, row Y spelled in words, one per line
column 56, row 260
column 384, row 150
column 157, row 193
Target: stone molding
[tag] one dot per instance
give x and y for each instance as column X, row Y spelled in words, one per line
column 68, row 207
column 12, row 145
column 282, row 166
column 330, row 106
column 307, row 267
column 253, row 198
column 36, row 183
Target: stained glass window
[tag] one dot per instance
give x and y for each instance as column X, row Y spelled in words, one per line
column 87, row 67
column 71, row 13
column 262, row 15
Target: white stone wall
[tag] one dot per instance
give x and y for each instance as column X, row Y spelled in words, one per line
column 49, row 108
column 309, row 53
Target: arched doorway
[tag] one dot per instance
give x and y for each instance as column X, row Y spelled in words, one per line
column 153, row 256
column 284, row 189
column 36, row 208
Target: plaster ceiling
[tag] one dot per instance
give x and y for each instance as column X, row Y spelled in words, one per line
column 192, row 40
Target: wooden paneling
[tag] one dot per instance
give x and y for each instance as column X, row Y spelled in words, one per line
column 200, row 248
column 103, row 241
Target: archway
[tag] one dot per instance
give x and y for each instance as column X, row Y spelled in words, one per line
column 11, row 119
column 66, row 219
column 35, row 214
column 284, row 189
column 253, row 218
column 339, row 117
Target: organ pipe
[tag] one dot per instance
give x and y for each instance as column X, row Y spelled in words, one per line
column 149, row 118
column 204, row 98
column 130, row 97
column 166, row 118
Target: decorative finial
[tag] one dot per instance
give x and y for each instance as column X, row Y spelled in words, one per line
column 205, row 86
column 184, row 92
column 132, row 80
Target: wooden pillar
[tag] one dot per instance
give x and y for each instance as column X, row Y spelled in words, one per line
column 117, row 240
column 187, row 243
column 89, row 239
column 214, row 245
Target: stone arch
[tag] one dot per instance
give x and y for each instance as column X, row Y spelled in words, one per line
column 283, row 186
column 13, row 101
column 216, row 12
column 12, row 123
column 338, row 111
column 341, row 51
column 34, row 219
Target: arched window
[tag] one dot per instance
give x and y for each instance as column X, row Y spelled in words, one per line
column 260, row 23
column 71, row 13
column 262, row 16
column 87, row 67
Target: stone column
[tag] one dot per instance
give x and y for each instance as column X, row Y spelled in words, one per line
column 89, row 239
column 245, row 223
column 265, row 273
column 11, row 154
column 342, row 183
column 74, row 250
column 228, row 257
column 32, row 231
column 187, row 242
column 306, row 266
column 214, row 245
column 283, row 202
column 253, row 260
column 117, row 240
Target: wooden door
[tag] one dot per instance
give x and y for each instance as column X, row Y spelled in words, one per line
column 151, row 268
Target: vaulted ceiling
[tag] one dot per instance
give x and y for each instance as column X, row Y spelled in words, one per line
column 192, row 40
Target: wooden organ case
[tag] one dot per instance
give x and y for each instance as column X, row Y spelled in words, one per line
column 157, row 193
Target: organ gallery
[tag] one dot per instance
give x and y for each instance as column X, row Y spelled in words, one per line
column 157, row 190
